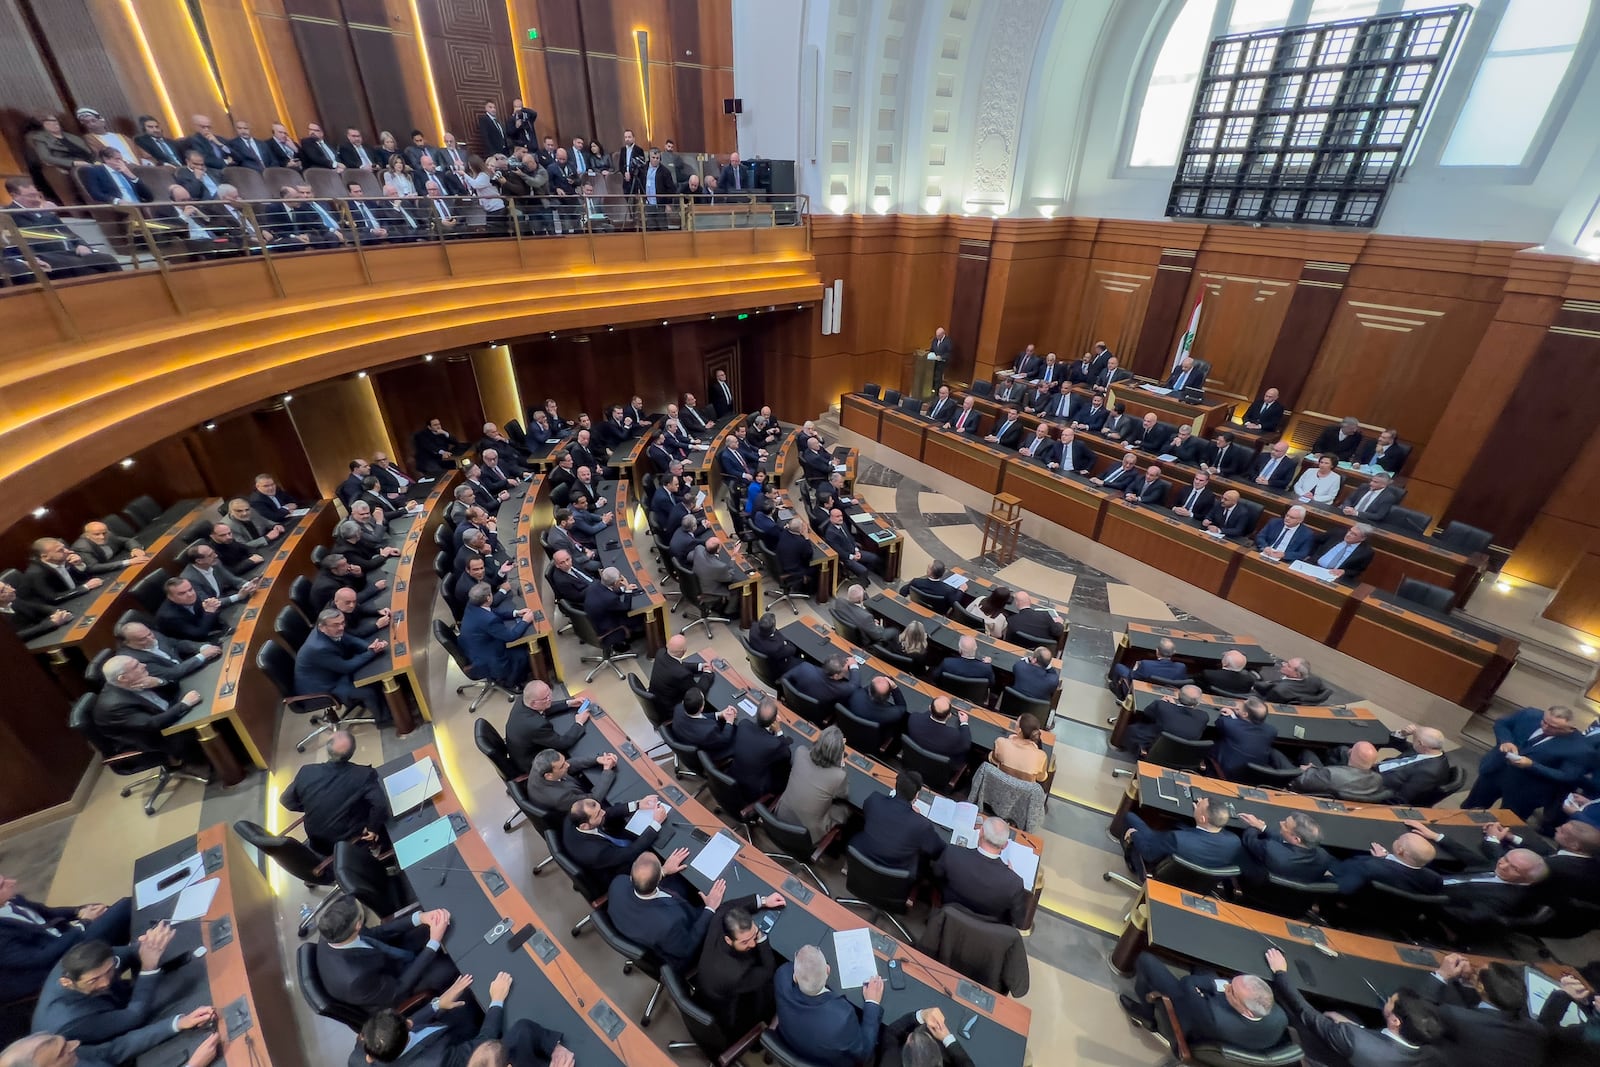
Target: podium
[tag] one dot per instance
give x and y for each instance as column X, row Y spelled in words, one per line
column 923, row 375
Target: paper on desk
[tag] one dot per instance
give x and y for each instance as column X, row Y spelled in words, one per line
column 964, row 837
column 699, row 501
column 841, row 468
column 1023, row 860
column 643, row 819
column 297, row 512
column 1167, row 457
column 422, row 843
column 412, row 786
column 853, row 951
column 943, row 812
column 195, row 900
column 714, row 858
column 749, row 707
column 955, row 581
column 1312, row 569
column 861, row 518
column 145, row 893
column 1161, row 389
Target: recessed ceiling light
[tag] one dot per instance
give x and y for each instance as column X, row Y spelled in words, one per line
column 428, row 358
column 211, row 426
column 287, row 397
column 40, row 513
column 1504, row 587
column 125, row 464
column 361, row 374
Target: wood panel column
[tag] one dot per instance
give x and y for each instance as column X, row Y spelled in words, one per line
column 497, row 385
column 1152, row 355
column 1577, row 600
column 1316, row 297
column 966, row 313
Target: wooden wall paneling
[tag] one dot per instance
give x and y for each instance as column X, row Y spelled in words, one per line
column 1114, row 299
column 1301, row 333
column 470, row 51
column 335, row 79
column 1577, row 600
column 92, row 77
column 464, row 390
column 339, row 421
column 1166, row 314
column 248, row 443
column 279, row 52
column 535, row 84
column 571, row 109
column 244, row 72
column 26, row 84
column 184, row 69
column 391, row 75
column 411, row 393
column 41, row 759
column 1568, row 524
column 967, row 362
column 497, row 385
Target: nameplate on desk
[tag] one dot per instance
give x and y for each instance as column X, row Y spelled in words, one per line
column 975, row 995
column 1481, row 817
column 1464, row 636
column 629, row 750
column 221, row 932
column 797, row 890
column 87, row 619
column 1176, row 776
column 414, row 535
column 530, row 588
column 543, row 947
column 1278, row 709
column 596, row 711
column 266, row 582
column 523, row 562
column 1306, row 933
column 821, row 629
column 400, row 586
column 521, row 540
column 1345, row 713
column 213, row 859
column 1249, row 792
column 227, row 689
column 458, row 823
column 860, row 762
column 1420, row 957
column 884, row 946
column 399, row 648
column 1164, row 631
column 236, row 649
column 1406, row 813
column 674, row 794
column 805, row 728
column 283, row 555
column 236, row 1019
column 1198, row 903
column 493, row 881
column 1386, row 606
column 627, row 542
column 610, row 1023
column 1331, row 805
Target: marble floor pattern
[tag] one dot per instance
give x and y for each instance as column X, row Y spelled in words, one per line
column 1073, row 996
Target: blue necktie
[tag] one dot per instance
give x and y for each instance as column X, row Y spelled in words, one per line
column 127, row 188
column 399, row 955
column 327, row 219
column 1334, row 556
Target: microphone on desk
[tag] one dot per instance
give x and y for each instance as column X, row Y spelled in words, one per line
column 1326, row 950
column 445, row 871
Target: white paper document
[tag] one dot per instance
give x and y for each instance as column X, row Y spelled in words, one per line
column 841, row 468
column 964, row 838
column 411, row 787
column 643, row 819
column 853, row 950
column 714, row 858
column 1321, row 573
column 861, row 518
column 170, row 882
column 749, row 707
column 1167, row 457
column 195, row 900
column 943, row 812
column 1159, row 389
column 955, row 581
column 1023, row 860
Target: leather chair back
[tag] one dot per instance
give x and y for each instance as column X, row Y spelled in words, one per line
column 1013, row 703
column 94, row 675
column 1179, row 753
column 446, row 637
column 792, row 838
column 142, row 510
column 291, row 627
column 728, row 794
column 881, row 886
column 803, row 705
column 366, row 879
column 940, row 772
column 871, row 391
column 493, row 746
column 1433, row 597
column 647, row 701
column 295, row 856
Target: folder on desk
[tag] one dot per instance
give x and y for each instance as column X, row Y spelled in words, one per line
column 412, row 786
column 861, row 518
column 420, row 844
column 955, row 581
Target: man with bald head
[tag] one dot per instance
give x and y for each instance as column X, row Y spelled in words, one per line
column 1356, row 780
column 167, row 658
column 1240, row 1011
column 671, row 677
column 103, row 552
column 1404, row 865
column 882, row 702
column 1418, row 773
column 529, row 728
column 659, row 918
column 715, row 573
column 1183, row 718
column 1232, row 678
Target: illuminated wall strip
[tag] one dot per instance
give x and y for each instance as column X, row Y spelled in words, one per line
column 168, row 112
column 641, row 51
column 427, row 74
column 516, row 54
column 274, row 88
column 205, row 61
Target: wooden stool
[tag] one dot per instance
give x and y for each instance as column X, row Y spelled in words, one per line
column 1002, row 527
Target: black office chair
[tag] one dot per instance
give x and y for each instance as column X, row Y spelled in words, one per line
column 983, row 388
column 325, row 710
column 911, row 405
column 1433, row 597
column 893, row 656
column 516, row 433
column 863, row 735
column 972, row 690
column 589, row 886
column 291, row 628
column 94, row 675
column 369, row 881
column 297, row 859
column 540, row 819
column 938, row 607
column 760, row 664
column 731, row 801
column 477, row 678
column 1285, row 1054
column 1014, row 703
column 722, row 1048
column 1183, row 873
column 795, row 841
column 807, row 707
column 317, row 996
column 791, row 587
column 940, row 772
column 882, row 891
column 685, row 757
column 1452, row 785
column 119, row 526
column 871, row 391
column 1173, row 752
column 971, row 946
column 1285, row 896
column 148, row 592
column 611, row 653
column 891, row 397
column 689, row 583
column 320, row 551
column 1395, row 912
column 142, row 511
column 1408, row 521
column 1271, row 777
column 1465, row 539
column 779, row 1052
column 300, row 597
column 443, row 539
column 848, row 630
column 126, row 762
column 634, row 955
column 493, row 746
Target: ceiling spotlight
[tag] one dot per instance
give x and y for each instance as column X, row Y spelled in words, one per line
column 713, row 314
column 663, row 322
column 40, row 513
column 287, row 397
column 211, row 426
column 611, row 329
column 552, row 335
column 428, row 358
column 125, row 464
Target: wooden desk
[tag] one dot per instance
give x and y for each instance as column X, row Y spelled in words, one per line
column 616, row 549
column 241, row 973
column 823, row 557
column 947, row 634
column 1309, row 605
column 237, row 695
column 874, row 533
column 1440, row 655
column 1174, row 544
column 1198, row 648
column 1300, row 725
column 700, row 464
column 1001, row 1026
column 523, row 520
column 747, row 590
column 1345, row 825
column 904, row 432
column 1206, row 417
column 1063, row 499
column 547, row 984
column 969, row 458
column 859, row 414
column 817, row 641
column 412, row 585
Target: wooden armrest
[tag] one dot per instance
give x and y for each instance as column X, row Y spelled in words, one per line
column 291, row 827
column 120, row 756
column 732, row 1053
column 413, row 1002
column 1181, row 1049
column 823, row 845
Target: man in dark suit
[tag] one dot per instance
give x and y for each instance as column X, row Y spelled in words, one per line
column 1111, row 376
column 1076, row 457
column 966, row 664
column 440, row 1034
column 1007, row 429
column 315, row 151
column 1058, row 407
column 185, row 615
column 1197, row 500
column 570, row 582
column 939, row 350
column 55, row 244
column 1119, row 425
column 1404, row 865
column 822, row 1025
column 879, row 701
column 1292, row 849
column 555, row 783
column 1121, row 477
column 1342, row 442
column 1229, row 517
column 529, row 729
column 112, row 181
column 1413, row 1035
column 1386, row 452
column 487, row 632
column 1373, row 502
column 671, row 678
column 944, row 407
column 1230, row 459
column 712, row 734
column 436, row 451
column 1092, row 418
column 940, row 731
column 1346, row 555
column 596, row 837
column 857, row 560
column 281, row 149
column 56, row 573
column 931, row 587
column 85, row 1000
column 979, row 879
column 247, row 150
column 492, row 132
column 271, row 502
column 1291, row 682
column 1151, row 434
column 34, row 936
column 1086, row 370
column 1265, row 414
column 213, row 581
column 103, row 552
column 1162, row 668
column 732, row 178
column 341, row 800
column 157, row 145
column 1034, row 677
column 385, row 965
column 967, row 419
column 1508, row 888
column 660, row 919
column 1232, row 677
column 1187, row 376
column 1539, row 756
column 1209, row 843
column 1041, row 448
column 167, row 658
column 761, row 752
column 1273, row 468
column 1420, row 769
column 607, row 604
column 893, row 833
column 135, row 707
column 1289, row 539
column 1192, row 449
column 1243, row 737
column 29, row 619
column 330, row 659
column 1242, row 1013
column 1184, row 718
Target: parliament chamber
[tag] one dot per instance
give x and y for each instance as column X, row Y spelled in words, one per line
column 865, row 533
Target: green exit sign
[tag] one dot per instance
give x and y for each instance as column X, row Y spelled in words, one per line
column 746, row 315
column 533, row 35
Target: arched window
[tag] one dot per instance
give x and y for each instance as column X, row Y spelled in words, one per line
column 1165, row 114
column 1516, row 83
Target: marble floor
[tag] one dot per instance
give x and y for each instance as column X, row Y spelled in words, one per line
column 1075, row 1019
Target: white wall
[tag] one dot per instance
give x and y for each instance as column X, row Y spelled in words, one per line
column 766, row 75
